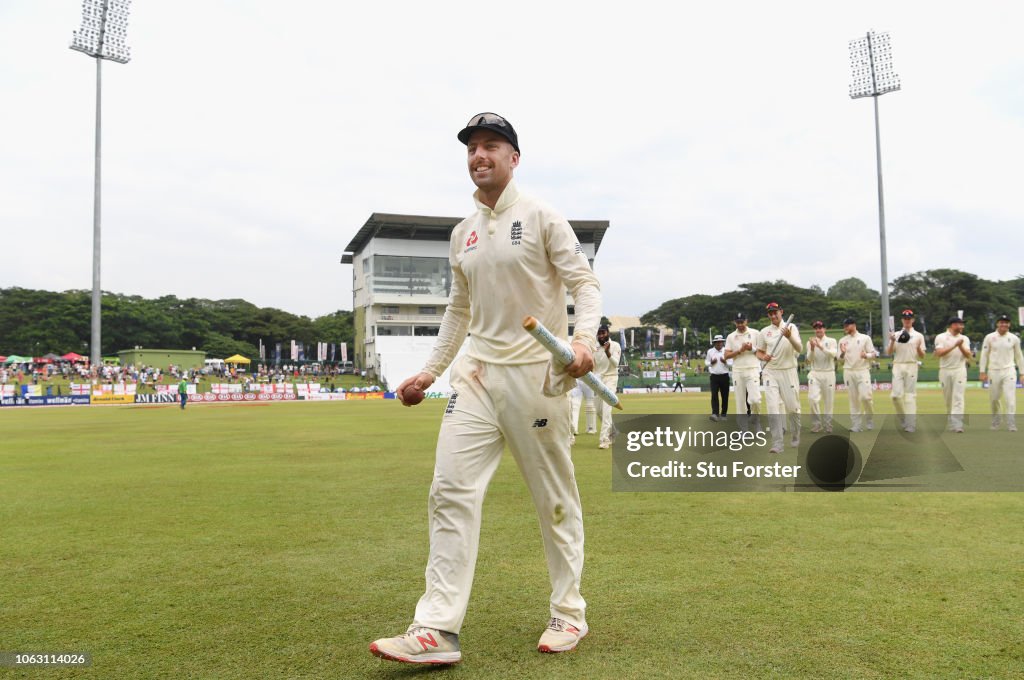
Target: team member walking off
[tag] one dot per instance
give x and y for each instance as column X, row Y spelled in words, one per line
column 606, row 365
column 183, row 392
column 906, row 348
column 582, row 395
column 718, row 374
column 854, row 351
column 953, row 349
column 821, row 377
column 746, row 370
column 999, row 352
column 778, row 345
column 513, row 257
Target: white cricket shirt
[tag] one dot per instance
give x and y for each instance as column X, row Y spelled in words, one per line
column 507, row 263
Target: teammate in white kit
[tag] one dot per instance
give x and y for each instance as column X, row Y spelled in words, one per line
column 953, row 349
column 582, row 395
column 513, row 257
column 778, row 345
column 606, row 366
column 906, row 348
column 821, row 377
column 746, row 370
column 854, row 351
column 1000, row 350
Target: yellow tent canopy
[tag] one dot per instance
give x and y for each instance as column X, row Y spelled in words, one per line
column 237, row 359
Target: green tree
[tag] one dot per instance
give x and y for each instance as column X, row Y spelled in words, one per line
column 336, row 327
column 853, row 290
column 937, row 294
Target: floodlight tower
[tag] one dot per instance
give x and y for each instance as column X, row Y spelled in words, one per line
column 871, row 64
column 102, row 36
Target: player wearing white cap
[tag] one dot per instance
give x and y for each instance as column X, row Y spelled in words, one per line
column 746, row 370
column 821, row 377
column 953, row 349
column 718, row 375
column 778, row 345
column 1000, row 350
column 905, row 348
column 513, row 257
column 854, row 351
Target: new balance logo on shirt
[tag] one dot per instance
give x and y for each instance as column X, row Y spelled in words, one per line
column 540, row 422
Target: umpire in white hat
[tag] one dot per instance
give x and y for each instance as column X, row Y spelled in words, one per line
column 718, row 371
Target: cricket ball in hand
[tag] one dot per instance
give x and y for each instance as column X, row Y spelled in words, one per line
column 412, row 395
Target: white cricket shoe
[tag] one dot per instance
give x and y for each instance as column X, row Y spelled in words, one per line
column 419, row 644
column 560, row 636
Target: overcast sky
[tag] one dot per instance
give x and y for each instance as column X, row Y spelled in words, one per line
column 247, row 141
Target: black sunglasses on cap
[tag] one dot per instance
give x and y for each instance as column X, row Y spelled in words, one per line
column 493, row 122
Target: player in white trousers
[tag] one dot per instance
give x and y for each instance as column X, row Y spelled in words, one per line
column 821, row 377
column 606, row 365
column 582, row 395
column 746, row 372
column 906, row 348
column 1000, row 350
column 953, row 349
column 778, row 345
column 513, row 257
column 855, row 349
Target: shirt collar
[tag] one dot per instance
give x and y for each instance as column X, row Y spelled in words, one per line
column 507, row 199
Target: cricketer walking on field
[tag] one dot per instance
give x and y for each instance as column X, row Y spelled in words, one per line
column 778, row 345
column 582, row 395
column 905, row 348
column 513, row 257
column 606, row 365
column 953, row 349
column 1000, row 350
column 746, row 370
column 821, row 377
column 854, row 351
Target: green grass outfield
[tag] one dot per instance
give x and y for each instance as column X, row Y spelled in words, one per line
column 278, row 540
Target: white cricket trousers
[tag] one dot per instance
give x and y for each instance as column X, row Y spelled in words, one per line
column 494, row 405
column 747, row 386
column 1002, row 387
column 821, row 394
column 953, row 381
column 858, row 389
column 782, row 392
column 904, row 392
column 582, row 395
column 605, row 410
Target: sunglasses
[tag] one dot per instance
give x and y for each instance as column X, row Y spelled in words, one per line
column 487, row 118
